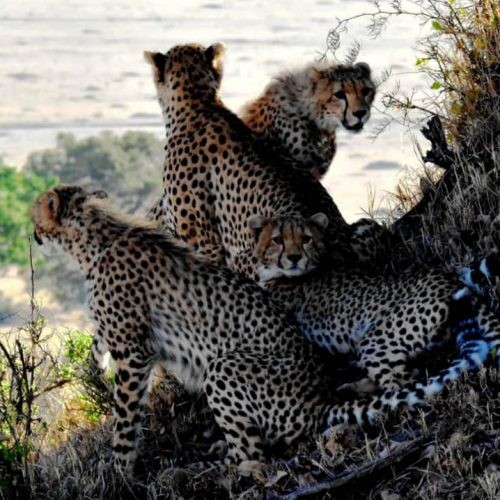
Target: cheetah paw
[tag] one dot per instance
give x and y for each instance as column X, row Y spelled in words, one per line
column 252, row 468
column 218, row 448
column 363, row 386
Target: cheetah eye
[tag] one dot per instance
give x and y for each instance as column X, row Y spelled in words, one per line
column 366, row 91
column 278, row 240
column 340, row 94
column 306, row 239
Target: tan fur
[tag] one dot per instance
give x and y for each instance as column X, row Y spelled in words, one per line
column 299, row 112
column 153, row 302
column 44, row 212
column 383, row 319
column 288, row 246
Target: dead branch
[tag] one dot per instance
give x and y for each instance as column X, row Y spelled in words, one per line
column 443, row 157
column 439, row 154
column 363, row 471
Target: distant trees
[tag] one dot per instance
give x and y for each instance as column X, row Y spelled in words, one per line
column 128, row 167
column 18, row 191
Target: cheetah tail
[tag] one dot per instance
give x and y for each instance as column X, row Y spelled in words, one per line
column 481, row 274
column 477, row 336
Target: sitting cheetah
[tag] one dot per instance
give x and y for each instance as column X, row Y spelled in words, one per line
column 382, row 320
column 299, row 112
column 153, row 301
column 216, row 173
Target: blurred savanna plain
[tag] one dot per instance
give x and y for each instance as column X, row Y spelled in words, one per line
column 74, row 70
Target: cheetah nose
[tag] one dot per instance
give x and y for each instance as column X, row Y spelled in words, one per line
column 294, row 258
column 359, row 114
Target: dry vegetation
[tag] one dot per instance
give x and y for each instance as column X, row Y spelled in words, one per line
column 447, row 450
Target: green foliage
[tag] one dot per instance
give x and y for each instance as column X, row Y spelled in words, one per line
column 31, row 375
column 26, row 373
column 437, row 25
column 76, row 351
column 96, row 396
column 128, row 167
column 17, row 192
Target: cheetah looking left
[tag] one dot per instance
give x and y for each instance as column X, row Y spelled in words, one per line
column 153, row 301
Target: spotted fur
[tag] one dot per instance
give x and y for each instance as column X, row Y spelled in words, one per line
column 216, row 173
column 288, row 246
column 477, row 334
column 383, row 321
column 299, row 112
column 154, row 302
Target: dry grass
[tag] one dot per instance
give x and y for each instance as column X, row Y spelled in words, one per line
column 453, row 451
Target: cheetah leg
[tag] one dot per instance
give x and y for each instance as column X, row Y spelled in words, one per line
column 200, row 233
column 233, row 412
column 130, row 395
column 259, row 398
column 363, row 386
column 385, row 365
column 99, row 358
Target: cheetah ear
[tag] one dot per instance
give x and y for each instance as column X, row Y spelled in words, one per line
column 215, row 55
column 364, row 69
column 314, row 73
column 320, row 220
column 157, row 61
column 256, row 223
column 52, row 205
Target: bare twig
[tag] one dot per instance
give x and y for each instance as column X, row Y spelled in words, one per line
column 363, row 471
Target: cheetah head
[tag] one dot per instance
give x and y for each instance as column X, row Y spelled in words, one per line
column 342, row 95
column 288, row 246
column 187, row 70
column 56, row 214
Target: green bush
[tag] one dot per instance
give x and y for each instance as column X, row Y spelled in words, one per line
column 18, row 190
column 32, row 374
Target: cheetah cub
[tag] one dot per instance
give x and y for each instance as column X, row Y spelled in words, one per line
column 299, row 112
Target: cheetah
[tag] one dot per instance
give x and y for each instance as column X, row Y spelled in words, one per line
column 383, row 321
column 216, row 173
column 154, row 301
column 299, row 111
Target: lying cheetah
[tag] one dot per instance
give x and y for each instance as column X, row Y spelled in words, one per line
column 382, row 320
column 216, row 173
column 153, row 301
column 299, row 112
